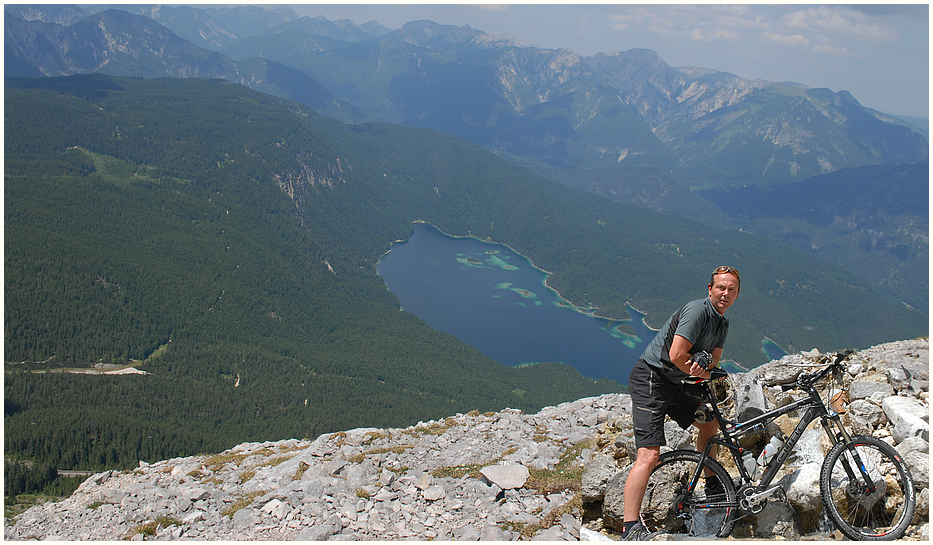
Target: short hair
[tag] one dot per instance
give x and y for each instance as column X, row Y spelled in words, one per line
column 726, row 270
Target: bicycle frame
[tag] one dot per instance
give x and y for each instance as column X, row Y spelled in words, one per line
column 731, row 431
column 815, row 409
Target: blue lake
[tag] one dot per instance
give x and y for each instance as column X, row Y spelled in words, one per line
column 497, row 301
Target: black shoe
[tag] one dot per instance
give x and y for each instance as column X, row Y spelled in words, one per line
column 636, row 533
column 714, row 489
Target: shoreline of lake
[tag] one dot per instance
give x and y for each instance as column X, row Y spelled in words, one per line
column 488, row 295
column 548, row 274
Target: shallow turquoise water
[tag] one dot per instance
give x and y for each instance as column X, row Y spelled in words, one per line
column 496, row 301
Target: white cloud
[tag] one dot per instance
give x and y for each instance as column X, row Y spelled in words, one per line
column 791, row 40
column 620, row 22
column 841, row 20
column 492, row 7
column 801, row 41
column 714, row 35
column 831, row 50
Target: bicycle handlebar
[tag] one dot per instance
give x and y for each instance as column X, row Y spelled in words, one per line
column 808, row 379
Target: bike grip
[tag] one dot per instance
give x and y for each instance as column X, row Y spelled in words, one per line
column 786, row 387
column 840, row 356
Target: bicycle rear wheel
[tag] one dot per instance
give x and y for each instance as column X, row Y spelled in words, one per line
column 863, row 512
column 677, row 501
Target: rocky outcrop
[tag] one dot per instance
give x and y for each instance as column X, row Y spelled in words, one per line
column 888, row 388
column 494, row 476
column 554, row 475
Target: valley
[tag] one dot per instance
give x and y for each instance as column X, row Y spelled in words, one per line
column 303, row 313
column 211, row 208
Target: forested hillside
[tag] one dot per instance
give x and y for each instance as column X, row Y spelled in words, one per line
column 157, row 233
column 225, row 241
column 623, row 125
column 872, row 220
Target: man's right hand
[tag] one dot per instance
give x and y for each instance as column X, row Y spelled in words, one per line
column 696, row 370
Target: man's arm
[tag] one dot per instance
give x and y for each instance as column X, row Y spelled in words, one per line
column 680, row 356
column 717, row 356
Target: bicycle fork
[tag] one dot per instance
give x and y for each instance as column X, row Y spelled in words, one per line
column 869, row 486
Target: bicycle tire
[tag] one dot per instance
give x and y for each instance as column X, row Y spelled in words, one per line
column 666, row 508
column 878, row 516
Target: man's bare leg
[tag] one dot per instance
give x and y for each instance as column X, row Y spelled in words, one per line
column 706, row 432
column 637, row 481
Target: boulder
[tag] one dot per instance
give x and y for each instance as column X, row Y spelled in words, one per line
column 571, row 525
column 676, row 436
column 434, row 493
column 919, row 465
column 916, row 444
column 194, row 494
column 596, row 476
column 614, row 500
column 785, row 370
column 625, row 445
column 906, row 374
column 867, row 412
column 922, row 512
column 506, row 476
column 749, row 396
column 554, row 533
column 908, row 416
column 244, row 518
column 802, row 488
column 776, row 520
column 862, row 389
column 318, row 532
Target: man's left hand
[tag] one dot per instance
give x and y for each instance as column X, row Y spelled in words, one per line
column 697, row 371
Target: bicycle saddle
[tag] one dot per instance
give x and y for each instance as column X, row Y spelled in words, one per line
column 714, row 374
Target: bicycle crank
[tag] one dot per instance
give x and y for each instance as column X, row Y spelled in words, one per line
column 751, row 499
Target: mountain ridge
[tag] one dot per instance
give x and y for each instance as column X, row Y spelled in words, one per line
column 674, row 96
column 564, row 115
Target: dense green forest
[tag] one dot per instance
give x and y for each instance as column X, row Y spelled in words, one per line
column 225, row 242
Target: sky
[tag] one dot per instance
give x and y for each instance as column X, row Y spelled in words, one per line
column 877, row 52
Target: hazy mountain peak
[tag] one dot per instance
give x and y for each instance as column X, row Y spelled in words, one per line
column 59, row 14
column 344, row 29
column 425, row 33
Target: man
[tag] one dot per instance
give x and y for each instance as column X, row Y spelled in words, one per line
column 656, row 386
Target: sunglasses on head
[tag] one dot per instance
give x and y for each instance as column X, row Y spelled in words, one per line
column 727, row 270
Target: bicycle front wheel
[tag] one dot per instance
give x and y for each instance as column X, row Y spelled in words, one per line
column 867, row 489
column 680, row 500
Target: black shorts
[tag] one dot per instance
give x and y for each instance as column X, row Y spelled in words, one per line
column 653, row 398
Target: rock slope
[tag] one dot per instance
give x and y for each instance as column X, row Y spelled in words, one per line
column 498, row 476
column 494, row 476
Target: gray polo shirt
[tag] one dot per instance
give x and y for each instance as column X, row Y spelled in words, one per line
column 698, row 322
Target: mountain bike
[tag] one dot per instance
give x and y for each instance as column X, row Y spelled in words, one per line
column 866, row 487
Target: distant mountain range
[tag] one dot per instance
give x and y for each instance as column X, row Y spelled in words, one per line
column 610, row 123
column 533, row 105
column 623, row 125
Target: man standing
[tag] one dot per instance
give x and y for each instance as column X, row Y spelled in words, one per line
column 657, row 390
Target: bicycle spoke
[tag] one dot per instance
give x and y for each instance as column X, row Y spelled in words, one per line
column 868, row 492
column 680, row 500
